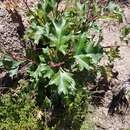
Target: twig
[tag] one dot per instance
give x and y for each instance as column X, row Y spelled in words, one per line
column 38, row 18
column 56, row 65
column 115, row 46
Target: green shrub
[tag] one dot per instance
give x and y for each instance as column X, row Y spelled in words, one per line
column 18, row 110
column 64, row 47
column 66, row 54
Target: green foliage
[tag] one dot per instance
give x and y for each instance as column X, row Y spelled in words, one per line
column 67, row 56
column 88, row 124
column 64, row 51
column 66, row 45
column 18, row 110
column 9, row 64
column 125, row 31
column 76, row 108
column 114, row 12
column 64, row 81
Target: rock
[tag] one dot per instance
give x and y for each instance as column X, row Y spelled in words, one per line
column 1, row 28
column 127, row 15
column 2, row 12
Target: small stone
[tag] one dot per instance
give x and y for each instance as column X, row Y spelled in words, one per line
column 127, row 15
column 2, row 12
column 1, row 28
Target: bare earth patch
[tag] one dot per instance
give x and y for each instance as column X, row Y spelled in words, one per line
column 102, row 119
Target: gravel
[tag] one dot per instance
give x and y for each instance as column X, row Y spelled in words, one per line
column 9, row 38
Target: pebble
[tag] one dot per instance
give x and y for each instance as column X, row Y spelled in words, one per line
column 1, row 28
column 2, row 12
column 127, row 15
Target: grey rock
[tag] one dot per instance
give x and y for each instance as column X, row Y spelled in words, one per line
column 2, row 12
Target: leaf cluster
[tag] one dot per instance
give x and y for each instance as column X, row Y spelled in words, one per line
column 18, row 109
column 63, row 44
